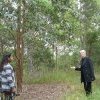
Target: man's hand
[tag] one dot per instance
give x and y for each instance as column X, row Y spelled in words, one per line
column 73, row 67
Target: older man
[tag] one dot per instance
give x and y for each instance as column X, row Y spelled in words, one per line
column 87, row 72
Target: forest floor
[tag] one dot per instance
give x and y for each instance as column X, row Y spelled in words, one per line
column 43, row 92
column 59, row 86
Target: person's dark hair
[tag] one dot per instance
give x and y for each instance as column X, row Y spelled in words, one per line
column 4, row 60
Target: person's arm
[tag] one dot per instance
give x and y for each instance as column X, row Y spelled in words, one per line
column 78, row 69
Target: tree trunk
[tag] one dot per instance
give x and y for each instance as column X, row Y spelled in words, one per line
column 19, row 61
column 20, row 45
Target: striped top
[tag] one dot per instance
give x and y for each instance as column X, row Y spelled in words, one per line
column 7, row 78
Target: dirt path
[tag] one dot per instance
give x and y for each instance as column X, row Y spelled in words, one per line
column 43, row 92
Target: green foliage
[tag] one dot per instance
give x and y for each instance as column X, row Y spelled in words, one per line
column 98, row 2
column 91, row 37
column 95, row 53
column 90, row 6
column 48, row 26
column 41, row 5
column 40, row 54
column 51, row 24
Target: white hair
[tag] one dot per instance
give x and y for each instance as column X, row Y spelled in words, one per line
column 83, row 53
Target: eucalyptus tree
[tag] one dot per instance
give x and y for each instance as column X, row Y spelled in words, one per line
column 87, row 11
column 12, row 19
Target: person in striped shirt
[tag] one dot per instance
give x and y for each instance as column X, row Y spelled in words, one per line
column 7, row 77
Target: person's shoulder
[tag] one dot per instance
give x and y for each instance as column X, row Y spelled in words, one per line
column 8, row 66
column 88, row 59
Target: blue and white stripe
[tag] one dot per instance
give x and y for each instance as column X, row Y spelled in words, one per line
column 7, row 78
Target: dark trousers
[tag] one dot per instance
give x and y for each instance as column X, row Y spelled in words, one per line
column 88, row 87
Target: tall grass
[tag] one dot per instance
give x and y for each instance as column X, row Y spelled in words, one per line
column 78, row 92
column 70, row 78
column 54, row 76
